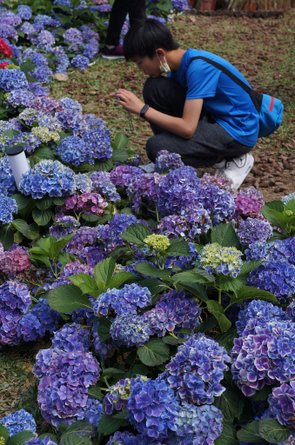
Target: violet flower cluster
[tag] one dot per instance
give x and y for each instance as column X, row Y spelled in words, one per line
column 110, row 234
column 65, row 377
column 197, row 369
column 252, row 230
column 88, row 203
column 102, row 183
column 167, row 161
column 265, row 357
column 122, row 175
column 130, row 330
column 14, row 260
column 249, row 202
column 282, row 404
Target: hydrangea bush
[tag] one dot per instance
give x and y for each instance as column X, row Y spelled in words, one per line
column 167, row 299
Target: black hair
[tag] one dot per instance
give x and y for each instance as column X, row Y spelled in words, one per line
column 143, row 39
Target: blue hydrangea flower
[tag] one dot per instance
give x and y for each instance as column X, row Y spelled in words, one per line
column 117, row 397
column 83, row 183
column 102, row 183
column 29, row 328
column 80, row 62
column 122, row 301
column 257, row 312
column 277, row 277
column 48, row 318
column 13, row 79
column 252, row 230
column 24, row 12
column 288, row 197
column 219, row 203
column 189, row 224
column 130, row 330
column 8, row 207
column 19, row 421
column 197, row 370
column 46, row 440
column 63, row 226
column 48, row 178
column 282, row 404
column 110, row 235
column 152, row 408
column 290, row 311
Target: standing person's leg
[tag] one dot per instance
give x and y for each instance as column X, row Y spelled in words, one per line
column 136, row 11
column 118, row 15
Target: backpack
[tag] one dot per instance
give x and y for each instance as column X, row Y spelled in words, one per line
column 270, row 109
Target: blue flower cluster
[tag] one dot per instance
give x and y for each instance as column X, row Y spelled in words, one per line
column 19, row 421
column 65, row 377
column 63, row 226
column 8, row 207
column 143, row 190
column 265, row 357
column 122, row 301
column 197, row 370
column 48, row 178
column 7, row 182
column 12, row 79
column 219, row 203
column 167, row 161
column 45, row 440
column 130, row 330
column 71, row 337
column 189, row 224
column 277, row 277
column 257, row 312
column 117, row 397
column 80, row 62
column 157, row 414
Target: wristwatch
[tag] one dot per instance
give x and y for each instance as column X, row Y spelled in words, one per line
column 143, row 110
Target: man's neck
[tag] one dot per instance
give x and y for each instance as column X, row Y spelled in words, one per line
column 174, row 58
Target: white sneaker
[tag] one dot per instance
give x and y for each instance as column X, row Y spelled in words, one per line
column 236, row 170
column 148, row 168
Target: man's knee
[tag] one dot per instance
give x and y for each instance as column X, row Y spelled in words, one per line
column 152, row 148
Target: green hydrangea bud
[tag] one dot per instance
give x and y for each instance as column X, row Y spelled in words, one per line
column 158, row 242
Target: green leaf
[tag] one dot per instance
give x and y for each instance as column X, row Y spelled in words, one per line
column 227, row 339
column 272, row 431
column 113, row 373
column 104, row 329
column 250, row 433
column 263, row 394
column 228, row 284
column 6, row 236
column 74, row 439
column 136, row 234
column 44, row 153
column 274, row 205
column 29, row 231
column 120, row 141
column 151, row 271
column 153, row 353
column 21, row 200
column 231, row 404
column 66, row 298
column 109, row 424
column 95, row 392
column 80, row 427
column 178, row 247
column 120, row 155
column 155, row 286
column 20, row 438
column 225, row 235
column 227, row 436
column 44, row 203
column 217, row 311
column 4, row 432
column 249, row 293
column 103, row 272
column 197, row 276
column 290, row 205
column 247, row 267
column 42, row 217
column 170, row 340
column 85, row 283
column 120, row 278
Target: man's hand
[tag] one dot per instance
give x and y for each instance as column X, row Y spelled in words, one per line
column 129, row 101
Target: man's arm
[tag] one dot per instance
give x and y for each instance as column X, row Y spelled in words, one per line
column 184, row 126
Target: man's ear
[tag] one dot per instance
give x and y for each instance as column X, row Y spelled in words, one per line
column 160, row 52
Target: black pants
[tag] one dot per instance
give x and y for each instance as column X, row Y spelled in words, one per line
column 210, row 143
column 120, row 9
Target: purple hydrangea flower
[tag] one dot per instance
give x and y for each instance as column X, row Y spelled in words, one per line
column 249, row 202
column 197, row 370
column 71, row 337
column 19, row 421
column 29, row 328
column 290, row 311
column 167, row 161
column 102, row 183
column 88, row 203
column 117, row 397
column 252, row 230
column 265, row 357
column 189, row 224
column 143, row 190
column 48, row 318
column 84, row 236
column 122, row 175
column 282, row 404
column 74, row 39
column 219, row 203
column 63, row 226
column 110, row 235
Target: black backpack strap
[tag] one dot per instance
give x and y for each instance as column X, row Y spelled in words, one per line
column 255, row 97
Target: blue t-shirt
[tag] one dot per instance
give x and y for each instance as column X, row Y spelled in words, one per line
column 224, row 99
